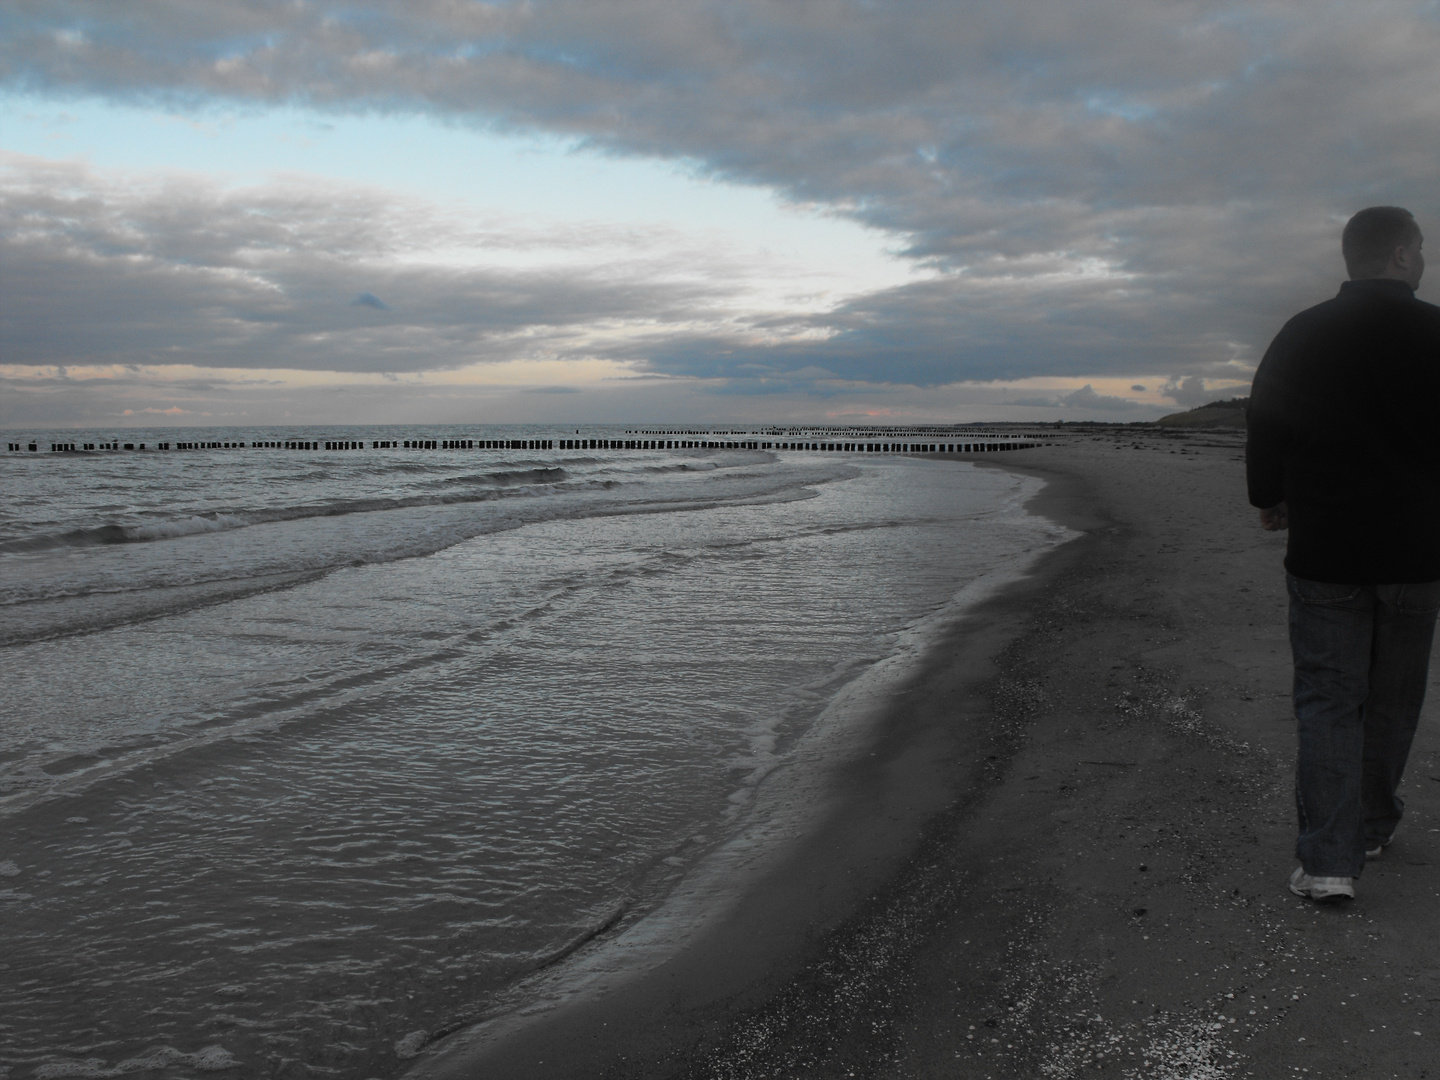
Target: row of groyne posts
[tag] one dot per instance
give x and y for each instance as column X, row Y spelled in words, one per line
column 958, row 443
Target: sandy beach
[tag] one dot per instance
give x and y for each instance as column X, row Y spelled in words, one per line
column 1064, row 853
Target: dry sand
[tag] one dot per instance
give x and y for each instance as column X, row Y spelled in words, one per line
column 1067, row 854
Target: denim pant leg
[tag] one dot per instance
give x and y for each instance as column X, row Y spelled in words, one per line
column 1404, row 629
column 1330, row 637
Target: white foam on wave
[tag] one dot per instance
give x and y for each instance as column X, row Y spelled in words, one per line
column 210, row 1059
column 190, row 526
column 411, row 1045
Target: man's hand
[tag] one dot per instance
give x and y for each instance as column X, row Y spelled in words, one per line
column 1276, row 518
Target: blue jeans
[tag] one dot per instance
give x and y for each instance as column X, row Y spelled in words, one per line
column 1362, row 657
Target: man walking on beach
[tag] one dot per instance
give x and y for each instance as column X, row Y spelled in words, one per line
column 1342, row 451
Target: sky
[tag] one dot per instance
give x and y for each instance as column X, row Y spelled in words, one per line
column 797, row 211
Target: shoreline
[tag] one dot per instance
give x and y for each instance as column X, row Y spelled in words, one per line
column 1107, row 896
column 757, row 931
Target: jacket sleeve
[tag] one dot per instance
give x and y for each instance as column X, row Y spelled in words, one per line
column 1267, row 428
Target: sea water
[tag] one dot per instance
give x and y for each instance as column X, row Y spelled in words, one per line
column 303, row 754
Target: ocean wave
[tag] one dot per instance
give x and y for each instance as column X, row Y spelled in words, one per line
column 492, row 485
column 683, row 467
column 87, row 611
column 126, row 534
column 505, row 478
column 258, row 550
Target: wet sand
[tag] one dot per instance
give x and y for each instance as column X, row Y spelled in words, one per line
column 1064, row 854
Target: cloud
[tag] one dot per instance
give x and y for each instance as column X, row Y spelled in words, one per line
column 1034, row 402
column 1101, row 188
column 1138, row 387
column 1188, row 390
column 1085, row 398
column 106, row 270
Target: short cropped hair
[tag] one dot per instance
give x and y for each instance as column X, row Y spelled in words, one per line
column 1371, row 237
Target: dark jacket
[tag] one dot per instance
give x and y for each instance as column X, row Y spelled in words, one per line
column 1344, row 427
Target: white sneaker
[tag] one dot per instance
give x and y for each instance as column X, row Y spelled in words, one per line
column 1323, row 890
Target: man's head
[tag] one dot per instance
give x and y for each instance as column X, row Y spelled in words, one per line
column 1383, row 242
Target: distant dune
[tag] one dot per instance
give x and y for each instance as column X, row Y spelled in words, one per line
column 1228, row 414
